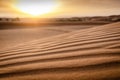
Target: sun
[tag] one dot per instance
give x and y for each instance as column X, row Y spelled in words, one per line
column 36, row 7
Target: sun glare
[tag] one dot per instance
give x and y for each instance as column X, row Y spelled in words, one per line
column 36, row 7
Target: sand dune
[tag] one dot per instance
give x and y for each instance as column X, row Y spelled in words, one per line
column 21, row 34
column 88, row 54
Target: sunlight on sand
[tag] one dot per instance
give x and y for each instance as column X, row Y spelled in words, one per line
column 88, row 54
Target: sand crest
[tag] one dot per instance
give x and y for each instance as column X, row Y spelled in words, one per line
column 88, row 54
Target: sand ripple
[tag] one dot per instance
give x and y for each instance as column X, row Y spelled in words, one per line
column 89, row 54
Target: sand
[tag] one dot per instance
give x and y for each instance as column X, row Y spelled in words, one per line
column 87, row 54
column 14, row 36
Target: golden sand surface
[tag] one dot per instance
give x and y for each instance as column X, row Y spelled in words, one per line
column 88, row 54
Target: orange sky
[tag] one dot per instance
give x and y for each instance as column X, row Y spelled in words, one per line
column 67, row 8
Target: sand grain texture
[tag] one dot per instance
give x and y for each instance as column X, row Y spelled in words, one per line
column 89, row 54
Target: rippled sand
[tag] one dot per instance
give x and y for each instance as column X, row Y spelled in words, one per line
column 88, row 54
column 14, row 36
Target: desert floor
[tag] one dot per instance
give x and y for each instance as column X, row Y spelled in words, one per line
column 11, row 37
column 61, row 53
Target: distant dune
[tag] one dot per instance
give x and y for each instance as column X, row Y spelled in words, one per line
column 88, row 54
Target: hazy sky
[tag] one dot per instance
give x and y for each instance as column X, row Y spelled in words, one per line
column 68, row 8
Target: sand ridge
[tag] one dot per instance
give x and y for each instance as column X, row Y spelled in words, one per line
column 89, row 54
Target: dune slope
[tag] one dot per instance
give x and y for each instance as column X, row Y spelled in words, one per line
column 89, row 54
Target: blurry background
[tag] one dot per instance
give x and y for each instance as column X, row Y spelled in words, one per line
column 65, row 8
